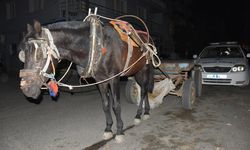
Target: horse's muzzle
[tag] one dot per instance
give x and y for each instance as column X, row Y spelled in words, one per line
column 30, row 83
column 31, row 91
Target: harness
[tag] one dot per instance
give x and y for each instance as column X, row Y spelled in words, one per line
column 96, row 47
column 130, row 36
column 96, row 50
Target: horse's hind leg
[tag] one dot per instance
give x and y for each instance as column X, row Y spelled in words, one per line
column 144, row 100
column 106, row 103
column 143, row 78
column 115, row 90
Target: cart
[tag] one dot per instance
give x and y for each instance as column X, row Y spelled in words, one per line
column 185, row 76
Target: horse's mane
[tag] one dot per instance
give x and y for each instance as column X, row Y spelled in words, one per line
column 68, row 25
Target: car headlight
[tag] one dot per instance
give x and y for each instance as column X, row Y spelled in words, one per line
column 238, row 68
column 199, row 67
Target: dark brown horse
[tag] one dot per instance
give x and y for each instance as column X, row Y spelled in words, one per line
column 42, row 49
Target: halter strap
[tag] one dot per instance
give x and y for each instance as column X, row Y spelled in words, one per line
column 51, row 44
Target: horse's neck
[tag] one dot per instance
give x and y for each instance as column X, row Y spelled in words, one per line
column 71, row 47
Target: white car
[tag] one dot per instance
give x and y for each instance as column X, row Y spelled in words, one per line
column 223, row 64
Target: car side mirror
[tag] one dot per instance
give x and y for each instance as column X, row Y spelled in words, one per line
column 248, row 55
column 195, row 56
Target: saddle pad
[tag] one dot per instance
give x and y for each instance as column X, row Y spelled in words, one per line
column 123, row 28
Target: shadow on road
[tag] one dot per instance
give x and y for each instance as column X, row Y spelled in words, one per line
column 101, row 143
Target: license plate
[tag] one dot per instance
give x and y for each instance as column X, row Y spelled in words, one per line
column 217, row 76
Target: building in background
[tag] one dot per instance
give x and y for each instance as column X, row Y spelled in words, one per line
column 15, row 14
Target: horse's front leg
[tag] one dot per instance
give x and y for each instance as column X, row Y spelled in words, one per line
column 115, row 90
column 106, row 103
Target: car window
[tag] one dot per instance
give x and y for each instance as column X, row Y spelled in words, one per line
column 222, row 52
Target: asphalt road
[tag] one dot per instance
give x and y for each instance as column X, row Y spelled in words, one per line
column 219, row 121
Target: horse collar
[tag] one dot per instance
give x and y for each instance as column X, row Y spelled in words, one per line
column 96, row 46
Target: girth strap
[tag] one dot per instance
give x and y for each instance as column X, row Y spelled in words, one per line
column 129, row 54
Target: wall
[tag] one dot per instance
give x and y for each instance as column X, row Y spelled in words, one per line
column 52, row 12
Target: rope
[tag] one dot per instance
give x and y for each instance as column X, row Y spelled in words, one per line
column 65, row 72
column 91, row 84
column 138, row 18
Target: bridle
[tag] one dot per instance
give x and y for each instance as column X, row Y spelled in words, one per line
column 50, row 52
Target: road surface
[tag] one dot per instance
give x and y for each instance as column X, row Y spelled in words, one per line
column 219, row 121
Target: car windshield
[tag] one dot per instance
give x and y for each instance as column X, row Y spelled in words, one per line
column 222, row 52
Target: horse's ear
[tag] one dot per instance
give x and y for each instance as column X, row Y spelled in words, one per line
column 37, row 26
column 29, row 28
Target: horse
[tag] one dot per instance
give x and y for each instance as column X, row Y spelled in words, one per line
column 42, row 48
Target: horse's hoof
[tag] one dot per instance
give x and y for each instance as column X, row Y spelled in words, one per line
column 137, row 121
column 145, row 117
column 119, row 138
column 107, row 135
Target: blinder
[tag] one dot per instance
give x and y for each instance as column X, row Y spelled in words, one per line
column 43, row 45
column 21, row 56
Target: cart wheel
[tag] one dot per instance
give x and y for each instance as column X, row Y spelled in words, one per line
column 196, row 76
column 188, row 94
column 132, row 91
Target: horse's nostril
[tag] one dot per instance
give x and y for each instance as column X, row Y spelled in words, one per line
column 25, row 83
column 24, row 89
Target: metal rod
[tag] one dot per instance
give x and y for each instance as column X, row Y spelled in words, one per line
column 95, row 12
column 166, row 75
column 89, row 11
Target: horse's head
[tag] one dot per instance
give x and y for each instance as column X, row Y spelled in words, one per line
column 36, row 54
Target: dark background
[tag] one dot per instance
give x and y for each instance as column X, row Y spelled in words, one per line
column 200, row 22
column 186, row 26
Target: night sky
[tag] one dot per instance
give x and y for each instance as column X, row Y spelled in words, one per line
column 213, row 21
column 199, row 22
column 231, row 17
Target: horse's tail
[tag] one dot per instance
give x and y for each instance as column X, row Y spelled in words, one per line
column 151, row 79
